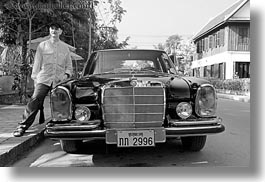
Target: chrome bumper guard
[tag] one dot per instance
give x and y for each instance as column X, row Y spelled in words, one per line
column 179, row 128
column 74, row 130
column 195, row 127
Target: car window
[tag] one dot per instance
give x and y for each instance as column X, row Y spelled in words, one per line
column 164, row 58
column 167, row 62
column 122, row 61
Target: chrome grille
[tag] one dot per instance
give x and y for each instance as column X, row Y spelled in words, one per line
column 133, row 107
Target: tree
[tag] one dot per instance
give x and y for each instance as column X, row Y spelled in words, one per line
column 106, row 36
column 185, row 54
column 181, row 51
column 107, row 39
column 172, row 43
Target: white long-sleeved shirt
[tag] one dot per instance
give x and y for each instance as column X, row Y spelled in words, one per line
column 51, row 62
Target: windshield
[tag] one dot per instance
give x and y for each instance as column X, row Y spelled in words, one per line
column 121, row 61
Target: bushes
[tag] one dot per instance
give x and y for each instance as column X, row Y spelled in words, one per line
column 232, row 86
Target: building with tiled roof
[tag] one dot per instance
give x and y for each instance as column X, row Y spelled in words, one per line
column 223, row 44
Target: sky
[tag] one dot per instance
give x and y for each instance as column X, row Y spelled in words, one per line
column 149, row 22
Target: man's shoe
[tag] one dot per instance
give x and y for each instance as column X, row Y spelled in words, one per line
column 19, row 132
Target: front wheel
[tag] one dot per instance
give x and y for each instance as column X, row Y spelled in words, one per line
column 193, row 143
column 70, row 146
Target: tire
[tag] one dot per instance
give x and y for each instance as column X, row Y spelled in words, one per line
column 70, row 146
column 193, row 143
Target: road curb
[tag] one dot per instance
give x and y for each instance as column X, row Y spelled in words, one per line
column 234, row 97
column 20, row 145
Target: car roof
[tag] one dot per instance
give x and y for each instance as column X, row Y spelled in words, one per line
column 111, row 50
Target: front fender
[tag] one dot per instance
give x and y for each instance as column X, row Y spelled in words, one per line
column 179, row 89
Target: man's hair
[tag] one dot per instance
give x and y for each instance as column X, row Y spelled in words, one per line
column 56, row 25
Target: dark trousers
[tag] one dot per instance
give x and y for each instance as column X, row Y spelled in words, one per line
column 34, row 105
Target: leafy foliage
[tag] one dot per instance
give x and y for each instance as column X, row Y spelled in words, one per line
column 172, row 43
column 181, row 52
column 107, row 39
column 237, row 86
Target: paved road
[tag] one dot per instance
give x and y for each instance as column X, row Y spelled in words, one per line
column 231, row 148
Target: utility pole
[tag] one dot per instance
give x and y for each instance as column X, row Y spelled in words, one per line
column 174, row 54
column 90, row 29
column 89, row 43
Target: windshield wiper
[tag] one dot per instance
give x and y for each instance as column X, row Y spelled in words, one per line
column 117, row 70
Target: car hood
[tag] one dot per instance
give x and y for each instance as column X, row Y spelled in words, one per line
column 176, row 87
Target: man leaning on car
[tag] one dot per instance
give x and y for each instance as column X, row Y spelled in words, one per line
column 52, row 64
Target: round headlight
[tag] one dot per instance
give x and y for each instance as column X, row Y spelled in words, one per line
column 184, row 110
column 205, row 103
column 82, row 113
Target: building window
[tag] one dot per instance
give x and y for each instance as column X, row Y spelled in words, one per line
column 222, row 37
column 218, row 39
column 203, row 44
column 242, row 70
column 208, row 71
column 206, row 43
column 199, row 46
column 212, row 71
column 214, row 40
column 205, row 71
column 221, row 70
column 243, row 35
column 211, row 42
column 196, row 72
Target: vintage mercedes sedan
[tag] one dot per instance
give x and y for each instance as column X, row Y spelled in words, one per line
column 133, row 98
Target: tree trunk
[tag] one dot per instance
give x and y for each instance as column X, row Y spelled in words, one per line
column 24, row 73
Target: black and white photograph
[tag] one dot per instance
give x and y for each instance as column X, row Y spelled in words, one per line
column 127, row 84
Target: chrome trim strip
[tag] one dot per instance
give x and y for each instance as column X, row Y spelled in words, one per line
column 72, row 135
column 147, row 122
column 133, row 104
column 132, row 96
column 80, row 127
column 134, row 113
column 187, row 131
column 195, row 123
column 102, row 104
column 87, row 105
column 189, row 123
column 165, row 101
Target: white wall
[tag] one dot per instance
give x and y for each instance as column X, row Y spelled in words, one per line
column 243, row 13
column 228, row 57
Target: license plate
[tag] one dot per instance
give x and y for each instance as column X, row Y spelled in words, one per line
column 141, row 138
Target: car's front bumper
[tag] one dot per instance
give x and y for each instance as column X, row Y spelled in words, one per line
column 178, row 128
column 195, row 127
